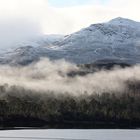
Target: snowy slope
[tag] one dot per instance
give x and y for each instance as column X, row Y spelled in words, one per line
column 118, row 39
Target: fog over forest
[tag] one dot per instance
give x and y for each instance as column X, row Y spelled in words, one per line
column 47, row 75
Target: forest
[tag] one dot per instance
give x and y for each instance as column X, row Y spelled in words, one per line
column 20, row 107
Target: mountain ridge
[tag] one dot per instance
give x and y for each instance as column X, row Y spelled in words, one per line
column 117, row 39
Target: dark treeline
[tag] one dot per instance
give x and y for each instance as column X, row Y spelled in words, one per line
column 20, row 107
column 85, row 69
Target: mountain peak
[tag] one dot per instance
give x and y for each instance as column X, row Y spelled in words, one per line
column 120, row 19
column 124, row 21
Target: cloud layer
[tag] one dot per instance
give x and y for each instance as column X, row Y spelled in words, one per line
column 19, row 21
column 49, row 75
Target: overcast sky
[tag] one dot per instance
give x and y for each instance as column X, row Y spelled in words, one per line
column 72, row 15
column 64, row 3
column 24, row 18
column 67, row 16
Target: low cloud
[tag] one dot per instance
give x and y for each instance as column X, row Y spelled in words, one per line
column 19, row 21
column 17, row 31
column 53, row 76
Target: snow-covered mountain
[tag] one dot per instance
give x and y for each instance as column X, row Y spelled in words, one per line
column 118, row 39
